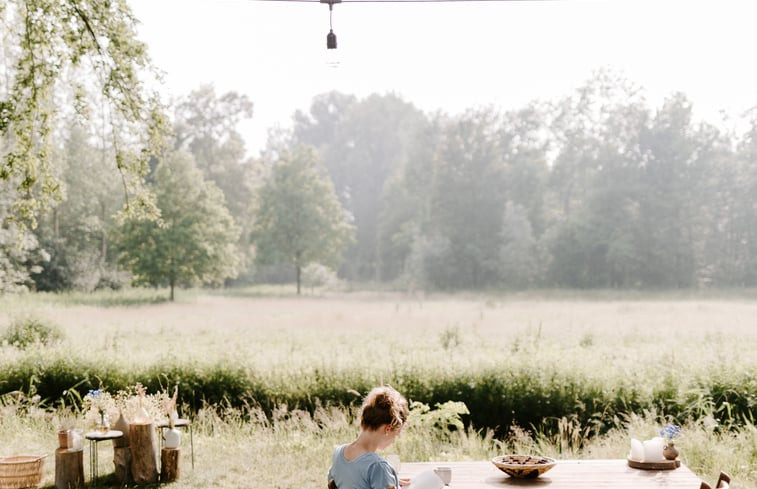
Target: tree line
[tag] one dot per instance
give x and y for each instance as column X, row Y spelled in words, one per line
column 594, row 190
column 218, row 212
column 102, row 184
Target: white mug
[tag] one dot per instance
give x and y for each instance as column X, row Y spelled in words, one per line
column 444, row 473
column 75, row 440
column 653, row 450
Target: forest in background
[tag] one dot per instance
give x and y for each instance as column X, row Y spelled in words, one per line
column 594, row 190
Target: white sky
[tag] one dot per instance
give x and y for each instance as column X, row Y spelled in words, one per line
column 454, row 55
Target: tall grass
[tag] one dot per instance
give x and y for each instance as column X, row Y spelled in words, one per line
column 555, row 374
column 292, row 449
column 497, row 396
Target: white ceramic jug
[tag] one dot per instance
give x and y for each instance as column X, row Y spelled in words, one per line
column 171, row 438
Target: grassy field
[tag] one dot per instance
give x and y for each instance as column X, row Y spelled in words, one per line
column 611, row 338
column 362, row 331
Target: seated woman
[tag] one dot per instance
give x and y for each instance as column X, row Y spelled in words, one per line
column 356, row 465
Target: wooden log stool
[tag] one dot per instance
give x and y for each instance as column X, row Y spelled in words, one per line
column 69, row 468
column 144, row 469
column 122, row 464
column 169, row 464
column 122, row 452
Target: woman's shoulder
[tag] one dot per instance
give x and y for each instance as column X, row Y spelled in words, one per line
column 365, row 459
column 339, row 451
column 373, row 458
column 349, row 456
column 380, row 472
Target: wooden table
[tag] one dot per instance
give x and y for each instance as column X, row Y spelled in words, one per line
column 567, row 474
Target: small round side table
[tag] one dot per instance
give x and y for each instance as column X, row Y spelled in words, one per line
column 94, row 438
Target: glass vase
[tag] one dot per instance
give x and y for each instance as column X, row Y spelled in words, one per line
column 103, row 424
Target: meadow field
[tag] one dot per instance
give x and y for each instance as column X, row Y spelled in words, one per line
column 655, row 357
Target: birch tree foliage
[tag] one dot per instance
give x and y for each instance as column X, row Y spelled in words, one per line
column 61, row 57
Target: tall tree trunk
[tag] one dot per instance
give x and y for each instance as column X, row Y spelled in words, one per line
column 104, row 235
column 299, row 270
column 379, row 265
column 172, row 282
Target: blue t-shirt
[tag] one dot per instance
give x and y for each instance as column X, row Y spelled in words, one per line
column 368, row 471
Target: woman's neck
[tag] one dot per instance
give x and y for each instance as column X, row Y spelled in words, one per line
column 367, row 441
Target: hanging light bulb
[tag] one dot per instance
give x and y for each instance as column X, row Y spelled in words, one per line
column 331, row 37
column 332, row 58
column 331, row 40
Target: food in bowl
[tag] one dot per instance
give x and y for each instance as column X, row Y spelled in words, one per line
column 523, row 466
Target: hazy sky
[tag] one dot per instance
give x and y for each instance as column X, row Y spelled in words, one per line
column 452, row 55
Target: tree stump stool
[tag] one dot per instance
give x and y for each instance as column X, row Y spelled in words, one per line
column 144, row 468
column 169, row 464
column 69, row 468
column 122, row 463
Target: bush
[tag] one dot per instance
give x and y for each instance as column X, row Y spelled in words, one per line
column 317, row 275
column 28, row 331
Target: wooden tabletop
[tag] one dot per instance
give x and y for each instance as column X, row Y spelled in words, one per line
column 567, row 474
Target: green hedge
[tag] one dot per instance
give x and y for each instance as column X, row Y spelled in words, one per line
column 495, row 398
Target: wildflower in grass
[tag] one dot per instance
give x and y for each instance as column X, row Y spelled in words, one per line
column 669, row 432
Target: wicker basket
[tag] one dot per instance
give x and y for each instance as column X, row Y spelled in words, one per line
column 21, row 471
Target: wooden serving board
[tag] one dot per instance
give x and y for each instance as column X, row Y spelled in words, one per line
column 665, row 465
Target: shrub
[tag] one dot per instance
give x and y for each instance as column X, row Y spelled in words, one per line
column 28, row 331
column 317, row 275
column 450, row 337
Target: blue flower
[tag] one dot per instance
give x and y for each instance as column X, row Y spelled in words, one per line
column 670, row 431
column 94, row 394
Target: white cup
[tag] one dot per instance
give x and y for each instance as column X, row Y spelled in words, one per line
column 637, row 450
column 445, row 473
column 75, row 440
column 653, row 450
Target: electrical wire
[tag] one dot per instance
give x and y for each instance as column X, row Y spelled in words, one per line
column 404, row 1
